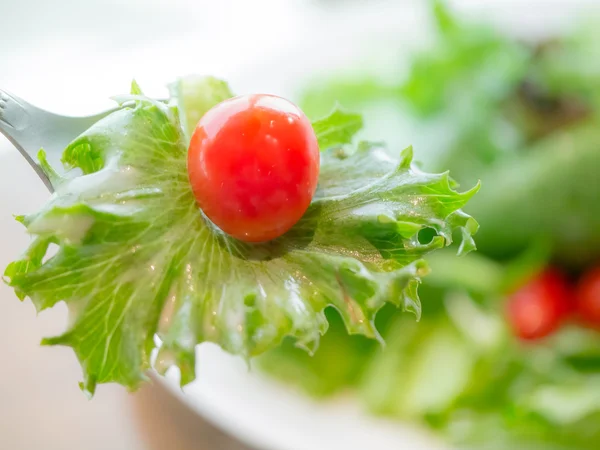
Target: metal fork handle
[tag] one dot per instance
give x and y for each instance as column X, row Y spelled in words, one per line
column 30, row 128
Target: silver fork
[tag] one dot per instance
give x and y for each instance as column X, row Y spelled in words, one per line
column 30, row 128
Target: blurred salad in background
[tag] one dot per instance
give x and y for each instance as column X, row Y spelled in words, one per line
column 507, row 351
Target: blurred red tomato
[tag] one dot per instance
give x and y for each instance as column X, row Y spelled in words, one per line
column 588, row 297
column 539, row 307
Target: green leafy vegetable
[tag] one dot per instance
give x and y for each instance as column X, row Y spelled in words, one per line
column 337, row 129
column 195, row 96
column 550, row 193
column 466, row 57
column 136, row 258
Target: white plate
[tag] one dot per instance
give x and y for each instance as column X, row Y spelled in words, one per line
column 271, row 416
column 262, row 413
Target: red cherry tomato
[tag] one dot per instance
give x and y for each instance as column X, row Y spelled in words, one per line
column 538, row 308
column 253, row 163
column 588, row 297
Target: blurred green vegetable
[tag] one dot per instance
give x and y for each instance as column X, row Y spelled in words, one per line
column 550, row 191
column 527, row 117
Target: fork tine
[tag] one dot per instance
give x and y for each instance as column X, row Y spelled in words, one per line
column 30, row 128
column 13, row 111
column 13, row 119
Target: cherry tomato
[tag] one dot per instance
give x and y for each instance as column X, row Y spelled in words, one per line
column 537, row 309
column 253, row 163
column 588, row 297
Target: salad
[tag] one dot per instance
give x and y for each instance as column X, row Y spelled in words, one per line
column 507, row 351
column 155, row 248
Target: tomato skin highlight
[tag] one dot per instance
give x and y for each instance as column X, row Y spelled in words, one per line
column 253, row 163
column 538, row 308
column 588, row 297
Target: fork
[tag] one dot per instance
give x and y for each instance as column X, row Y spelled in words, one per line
column 30, row 128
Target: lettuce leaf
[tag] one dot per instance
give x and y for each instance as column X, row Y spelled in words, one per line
column 553, row 192
column 337, row 129
column 466, row 58
column 195, row 95
column 140, row 268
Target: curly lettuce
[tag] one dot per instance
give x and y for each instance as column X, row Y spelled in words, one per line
column 142, row 269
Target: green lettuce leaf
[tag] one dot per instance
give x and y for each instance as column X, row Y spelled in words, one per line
column 466, row 57
column 337, row 129
column 141, row 268
column 553, row 194
column 195, row 95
